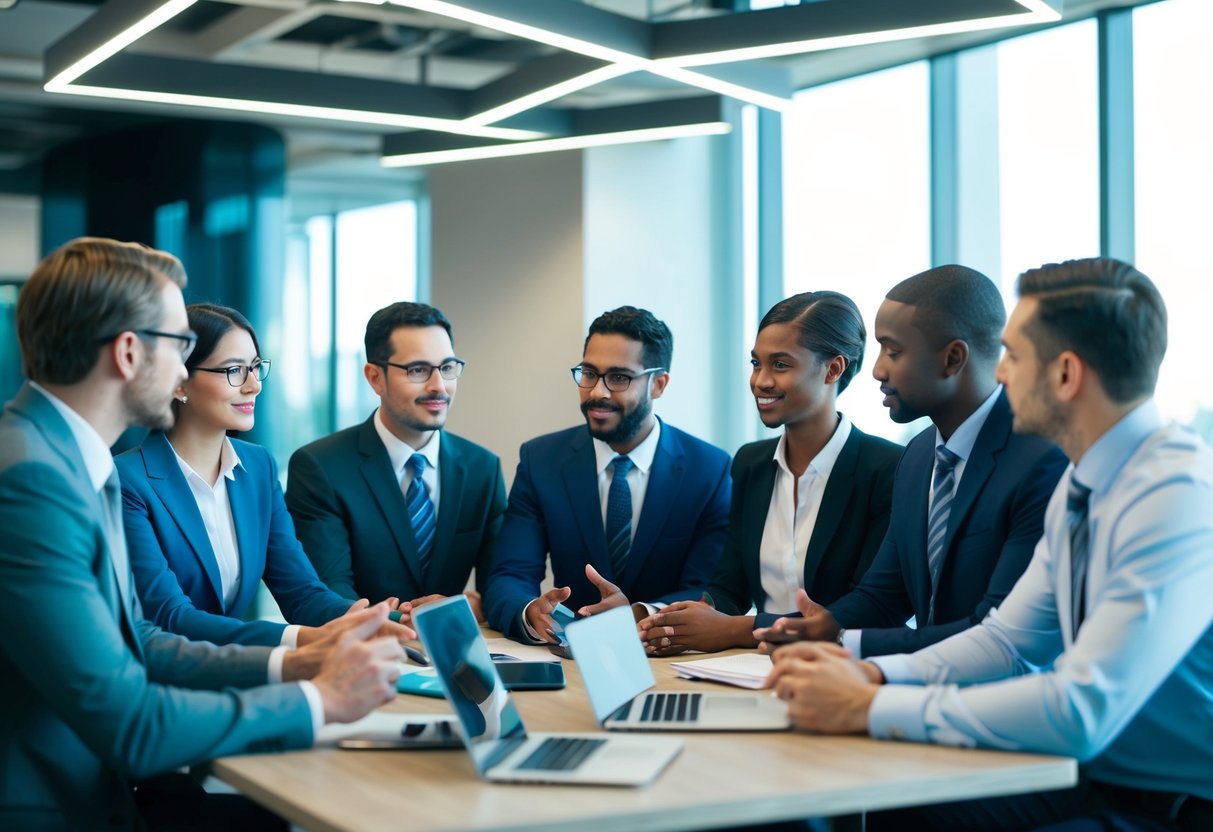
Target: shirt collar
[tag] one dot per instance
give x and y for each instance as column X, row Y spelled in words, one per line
column 98, row 461
column 399, row 451
column 965, row 437
column 228, row 460
column 823, row 463
column 641, row 455
column 1100, row 465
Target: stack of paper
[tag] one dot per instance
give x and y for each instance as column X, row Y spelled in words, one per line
column 746, row 670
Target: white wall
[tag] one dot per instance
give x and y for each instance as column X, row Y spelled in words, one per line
column 19, row 235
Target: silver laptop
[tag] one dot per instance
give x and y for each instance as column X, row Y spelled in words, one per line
column 493, row 732
column 616, row 674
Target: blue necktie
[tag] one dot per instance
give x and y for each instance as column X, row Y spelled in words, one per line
column 619, row 517
column 1077, row 503
column 421, row 514
column 937, row 524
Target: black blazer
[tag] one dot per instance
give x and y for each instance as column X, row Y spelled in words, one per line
column 851, row 522
column 996, row 520
column 350, row 516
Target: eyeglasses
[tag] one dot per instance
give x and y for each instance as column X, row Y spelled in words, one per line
column 615, row 382
column 238, row 374
column 188, row 339
column 420, row 372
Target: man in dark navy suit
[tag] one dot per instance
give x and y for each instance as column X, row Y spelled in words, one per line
column 630, row 508
column 968, row 495
column 397, row 506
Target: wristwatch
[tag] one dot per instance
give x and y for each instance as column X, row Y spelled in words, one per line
column 841, row 632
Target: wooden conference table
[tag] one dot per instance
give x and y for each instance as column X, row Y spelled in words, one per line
column 719, row 779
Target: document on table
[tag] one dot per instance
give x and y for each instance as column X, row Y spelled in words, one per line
column 748, row 670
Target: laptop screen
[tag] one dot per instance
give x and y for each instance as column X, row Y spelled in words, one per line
column 492, row 726
column 613, row 666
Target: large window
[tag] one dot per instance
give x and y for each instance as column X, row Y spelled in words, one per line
column 1173, row 136
column 857, row 203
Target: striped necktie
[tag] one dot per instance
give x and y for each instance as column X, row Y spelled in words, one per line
column 421, row 514
column 1077, row 505
column 619, row 517
column 937, row 524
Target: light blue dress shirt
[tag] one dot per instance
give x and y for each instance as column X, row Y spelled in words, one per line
column 1132, row 695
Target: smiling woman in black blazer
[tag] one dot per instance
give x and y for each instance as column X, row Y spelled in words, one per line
column 810, row 507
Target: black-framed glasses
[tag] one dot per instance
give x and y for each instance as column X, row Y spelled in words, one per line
column 238, row 374
column 419, row 372
column 615, row 381
column 187, row 339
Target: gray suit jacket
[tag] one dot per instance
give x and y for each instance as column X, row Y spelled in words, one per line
column 92, row 695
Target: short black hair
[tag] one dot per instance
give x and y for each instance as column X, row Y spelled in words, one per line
column 379, row 329
column 638, row 325
column 210, row 322
column 1108, row 313
column 956, row 302
column 829, row 324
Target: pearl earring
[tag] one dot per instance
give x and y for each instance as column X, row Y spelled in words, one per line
column 184, row 399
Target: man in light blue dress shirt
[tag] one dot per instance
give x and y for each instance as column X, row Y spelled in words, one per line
column 1104, row 649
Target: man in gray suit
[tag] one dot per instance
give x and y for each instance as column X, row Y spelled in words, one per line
column 92, row 697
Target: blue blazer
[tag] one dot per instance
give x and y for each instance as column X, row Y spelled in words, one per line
column 95, row 695
column 997, row 517
column 554, row 509
column 350, row 516
column 176, row 574
column 850, row 525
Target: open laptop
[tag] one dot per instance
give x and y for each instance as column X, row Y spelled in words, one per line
column 616, row 674
column 493, row 732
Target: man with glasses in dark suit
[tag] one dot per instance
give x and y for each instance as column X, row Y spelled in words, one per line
column 397, row 506
column 627, row 506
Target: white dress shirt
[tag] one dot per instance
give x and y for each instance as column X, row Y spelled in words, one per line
column 399, row 453
column 961, row 443
column 791, row 517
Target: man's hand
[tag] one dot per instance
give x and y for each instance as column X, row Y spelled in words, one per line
column 325, row 635
column 817, row 624
column 694, row 625
column 539, row 612
column 826, row 690
column 358, row 675
column 477, row 606
column 612, row 596
column 304, row 662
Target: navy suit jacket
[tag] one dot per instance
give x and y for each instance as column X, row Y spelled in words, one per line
column 555, row 509
column 851, row 522
column 350, row 515
column 997, row 517
column 176, row 573
column 93, row 694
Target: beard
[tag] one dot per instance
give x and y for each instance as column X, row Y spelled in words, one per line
column 146, row 405
column 629, row 420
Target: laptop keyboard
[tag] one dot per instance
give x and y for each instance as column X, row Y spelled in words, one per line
column 559, row 754
column 671, row 707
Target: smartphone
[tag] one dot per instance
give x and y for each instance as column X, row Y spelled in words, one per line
column 561, row 617
column 416, row 735
column 522, row 675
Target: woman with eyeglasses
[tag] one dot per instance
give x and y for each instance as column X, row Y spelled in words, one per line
column 810, row 507
column 204, row 514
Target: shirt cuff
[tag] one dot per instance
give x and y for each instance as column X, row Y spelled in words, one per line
column 853, row 640
column 897, row 713
column 290, row 636
column 896, row 669
column 315, row 704
column 527, row 630
column 273, row 673
column 651, row 608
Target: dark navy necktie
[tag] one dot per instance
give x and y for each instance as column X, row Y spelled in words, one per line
column 619, row 516
column 937, row 523
column 1077, row 505
column 421, row 514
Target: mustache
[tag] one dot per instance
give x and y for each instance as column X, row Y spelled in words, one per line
column 440, row 397
column 598, row 404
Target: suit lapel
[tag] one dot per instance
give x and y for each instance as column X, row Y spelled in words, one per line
column 919, row 469
column 580, row 475
column 665, row 481
column 381, row 481
column 451, row 474
column 980, row 465
column 168, row 482
column 760, row 487
column 249, row 548
column 833, row 503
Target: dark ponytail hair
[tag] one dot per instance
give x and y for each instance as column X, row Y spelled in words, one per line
column 829, row 324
